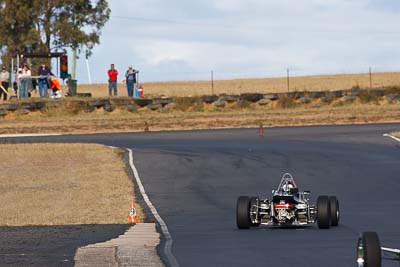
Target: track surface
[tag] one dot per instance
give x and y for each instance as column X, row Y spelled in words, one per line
column 194, row 179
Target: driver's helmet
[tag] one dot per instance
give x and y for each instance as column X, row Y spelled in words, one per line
column 287, row 186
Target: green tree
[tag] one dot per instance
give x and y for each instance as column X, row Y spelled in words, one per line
column 48, row 25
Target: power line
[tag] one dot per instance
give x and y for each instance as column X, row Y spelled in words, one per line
column 269, row 28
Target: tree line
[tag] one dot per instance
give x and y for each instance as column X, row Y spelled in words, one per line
column 45, row 26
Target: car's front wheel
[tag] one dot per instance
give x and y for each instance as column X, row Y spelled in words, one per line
column 335, row 214
column 243, row 212
column 254, row 211
column 369, row 250
column 323, row 212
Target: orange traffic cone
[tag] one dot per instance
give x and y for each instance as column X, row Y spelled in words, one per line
column 132, row 218
column 261, row 129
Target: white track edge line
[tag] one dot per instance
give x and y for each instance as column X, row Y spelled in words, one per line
column 164, row 229
column 393, row 137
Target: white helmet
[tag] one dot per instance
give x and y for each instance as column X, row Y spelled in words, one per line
column 287, row 186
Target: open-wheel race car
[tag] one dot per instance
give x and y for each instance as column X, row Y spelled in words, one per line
column 288, row 207
column 370, row 253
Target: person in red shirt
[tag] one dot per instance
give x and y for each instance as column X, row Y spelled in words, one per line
column 112, row 80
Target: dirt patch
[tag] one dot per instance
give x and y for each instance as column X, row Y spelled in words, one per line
column 63, row 184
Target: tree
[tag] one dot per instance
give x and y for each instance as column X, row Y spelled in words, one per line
column 48, row 25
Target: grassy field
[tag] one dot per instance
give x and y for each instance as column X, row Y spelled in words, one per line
column 63, row 184
column 264, row 85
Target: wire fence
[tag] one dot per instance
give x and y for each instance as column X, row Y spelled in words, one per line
column 291, row 79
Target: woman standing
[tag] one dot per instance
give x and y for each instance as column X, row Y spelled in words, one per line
column 25, row 82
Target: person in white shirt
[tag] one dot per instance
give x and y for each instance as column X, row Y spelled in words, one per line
column 4, row 79
column 25, row 81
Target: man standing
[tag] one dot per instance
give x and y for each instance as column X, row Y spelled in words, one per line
column 4, row 78
column 112, row 80
column 44, row 72
column 130, row 76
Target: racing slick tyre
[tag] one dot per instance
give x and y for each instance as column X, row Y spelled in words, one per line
column 335, row 215
column 369, row 250
column 243, row 212
column 323, row 212
column 253, row 211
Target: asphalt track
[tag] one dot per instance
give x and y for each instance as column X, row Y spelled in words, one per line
column 194, row 179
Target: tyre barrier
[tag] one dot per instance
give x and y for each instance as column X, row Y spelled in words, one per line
column 142, row 102
column 153, row 107
column 229, row 98
column 162, row 101
column 208, row 99
column 109, row 108
column 98, row 103
column 121, row 101
column 251, row 97
column 132, row 108
column 162, row 104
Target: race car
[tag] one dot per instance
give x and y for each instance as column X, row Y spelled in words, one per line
column 370, row 253
column 288, row 207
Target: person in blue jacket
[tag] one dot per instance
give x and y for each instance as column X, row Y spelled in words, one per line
column 44, row 72
column 130, row 77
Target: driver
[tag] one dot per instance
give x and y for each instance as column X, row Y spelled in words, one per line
column 287, row 187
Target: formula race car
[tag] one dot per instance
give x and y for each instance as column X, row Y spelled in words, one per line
column 288, row 207
column 370, row 253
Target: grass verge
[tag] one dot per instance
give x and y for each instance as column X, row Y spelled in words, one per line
column 121, row 120
column 63, row 184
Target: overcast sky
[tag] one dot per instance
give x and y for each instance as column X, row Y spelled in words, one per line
column 185, row 40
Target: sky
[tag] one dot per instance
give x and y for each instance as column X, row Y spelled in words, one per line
column 185, row 40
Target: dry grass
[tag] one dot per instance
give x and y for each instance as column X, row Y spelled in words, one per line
column 264, row 85
column 60, row 184
column 396, row 134
column 228, row 117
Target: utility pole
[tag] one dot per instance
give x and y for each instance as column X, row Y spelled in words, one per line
column 288, row 84
column 370, row 78
column 212, row 82
column 74, row 56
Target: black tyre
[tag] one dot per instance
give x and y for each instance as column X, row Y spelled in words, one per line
column 323, row 212
column 243, row 212
column 335, row 214
column 253, row 210
column 369, row 250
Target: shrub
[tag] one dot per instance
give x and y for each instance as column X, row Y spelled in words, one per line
column 186, row 103
column 243, row 104
column 286, row 102
column 367, row 97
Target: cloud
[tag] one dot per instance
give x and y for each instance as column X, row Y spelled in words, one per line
column 177, row 40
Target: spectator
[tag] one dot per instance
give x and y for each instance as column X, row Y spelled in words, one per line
column 112, row 81
column 55, row 88
column 130, row 76
column 44, row 72
column 4, row 78
column 25, row 82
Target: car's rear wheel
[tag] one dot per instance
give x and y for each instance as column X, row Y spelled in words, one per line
column 369, row 250
column 335, row 214
column 254, row 211
column 243, row 212
column 323, row 212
